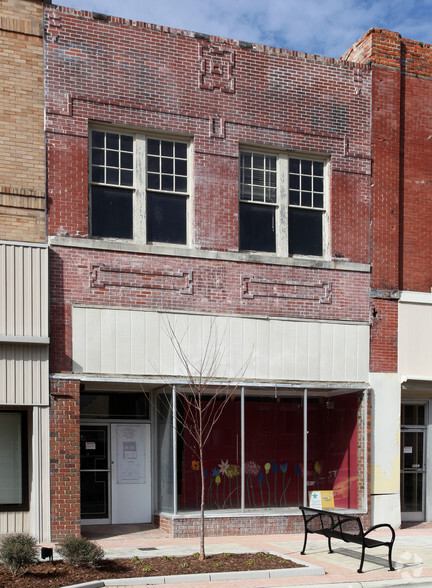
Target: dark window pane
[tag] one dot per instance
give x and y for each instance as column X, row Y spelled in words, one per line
column 294, row 182
column 112, row 176
column 271, row 179
column 258, row 193
column 318, row 167
column 153, row 181
column 98, row 139
column 111, row 212
column 258, row 177
column 305, row 232
column 271, row 195
column 245, row 192
column 306, row 166
column 167, row 183
column 294, row 165
column 126, row 143
column 153, row 163
column 318, row 201
column 114, row 405
column 246, row 176
column 181, row 167
column 166, row 218
column 258, row 161
column 98, row 174
column 167, row 148
column 181, row 184
column 306, row 183
column 318, row 185
column 127, row 160
column 257, row 228
column 294, row 197
column 98, row 156
column 126, row 178
column 271, row 162
column 167, row 165
column 181, row 150
column 306, row 198
column 245, row 159
column 153, row 146
column 112, row 158
column 112, row 141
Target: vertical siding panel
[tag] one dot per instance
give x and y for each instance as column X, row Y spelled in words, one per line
column 34, row 322
column 19, row 290
column 79, row 341
column 94, row 341
column 105, row 353
column 10, row 294
column 3, row 291
column 123, row 341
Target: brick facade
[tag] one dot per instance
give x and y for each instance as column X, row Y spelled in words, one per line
column 22, row 172
column 221, row 95
column 401, row 248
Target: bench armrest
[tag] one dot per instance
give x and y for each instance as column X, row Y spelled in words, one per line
column 380, row 526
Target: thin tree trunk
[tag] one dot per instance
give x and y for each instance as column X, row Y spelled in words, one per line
column 202, row 534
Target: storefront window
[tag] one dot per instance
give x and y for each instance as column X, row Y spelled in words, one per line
column 274, row 465
column 273, row 452
column 13, row 461
column 222, row 480
column 333, row 460
column 165, row 449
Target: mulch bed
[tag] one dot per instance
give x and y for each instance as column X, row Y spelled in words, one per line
column 58, row 574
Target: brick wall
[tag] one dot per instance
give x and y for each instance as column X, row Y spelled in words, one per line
column 22, row 169
column 150, row 77
column 65, row 458
column 401, row 214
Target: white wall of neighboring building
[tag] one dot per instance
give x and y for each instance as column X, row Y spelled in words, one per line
column 385, row 457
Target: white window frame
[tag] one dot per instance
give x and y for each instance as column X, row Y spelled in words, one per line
column 139, row 187
column 282, row 205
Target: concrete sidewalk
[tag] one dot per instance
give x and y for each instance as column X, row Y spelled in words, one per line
column 412, row 556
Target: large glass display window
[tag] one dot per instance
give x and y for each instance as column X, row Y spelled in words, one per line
column 267, row 450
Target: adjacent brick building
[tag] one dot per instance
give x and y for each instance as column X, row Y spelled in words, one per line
column 210, row 188
column 24, row 440
column 401, row 276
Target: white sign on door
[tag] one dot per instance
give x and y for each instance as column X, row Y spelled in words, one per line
column 130, row 455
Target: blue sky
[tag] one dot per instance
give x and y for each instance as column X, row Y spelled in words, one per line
column 323, row 27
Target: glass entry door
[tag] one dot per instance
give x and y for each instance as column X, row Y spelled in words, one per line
column 95, row 473
column 413, row 463
column 115, row 473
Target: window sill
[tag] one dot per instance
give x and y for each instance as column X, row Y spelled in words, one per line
column 185, row 251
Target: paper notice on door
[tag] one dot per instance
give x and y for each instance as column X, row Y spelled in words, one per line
column 408, row 449
column 130, row 455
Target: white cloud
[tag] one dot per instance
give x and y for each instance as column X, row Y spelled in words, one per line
column 327, row 28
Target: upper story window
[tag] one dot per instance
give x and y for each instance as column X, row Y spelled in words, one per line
column 139, row 187
column 282, row 204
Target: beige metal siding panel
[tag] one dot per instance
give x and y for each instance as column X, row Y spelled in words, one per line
column 415, row 342
column 24, row 374
column 113, row 341
column 23, row 291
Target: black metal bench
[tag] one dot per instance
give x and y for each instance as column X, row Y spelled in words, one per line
column 335, row 525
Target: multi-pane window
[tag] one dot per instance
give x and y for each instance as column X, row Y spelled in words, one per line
column 166, row 191
column 134, row 177
column 282, row 204
column 306, row 206
column 257, row 201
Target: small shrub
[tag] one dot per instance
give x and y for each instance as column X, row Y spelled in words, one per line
column 184, row 564
column 80, row 551
column 146, row 569
column 18, row 552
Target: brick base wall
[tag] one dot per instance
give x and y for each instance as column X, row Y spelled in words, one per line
column 65, row 458
column 235, row 525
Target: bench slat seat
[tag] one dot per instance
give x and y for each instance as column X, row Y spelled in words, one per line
column 334, row 525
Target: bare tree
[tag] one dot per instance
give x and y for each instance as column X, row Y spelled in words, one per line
column 203, row 402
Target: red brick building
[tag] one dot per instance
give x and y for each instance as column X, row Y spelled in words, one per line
column 222, row 190
column 401, row 275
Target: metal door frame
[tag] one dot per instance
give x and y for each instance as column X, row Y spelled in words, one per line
column 407, row 516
